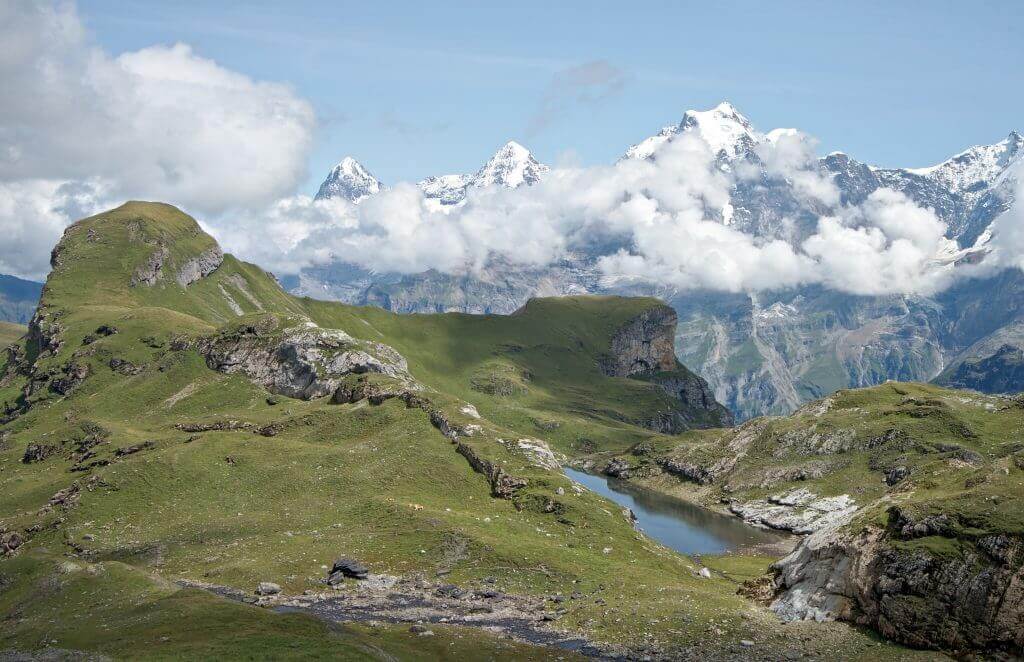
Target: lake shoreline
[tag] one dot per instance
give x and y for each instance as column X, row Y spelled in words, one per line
column 687, row 527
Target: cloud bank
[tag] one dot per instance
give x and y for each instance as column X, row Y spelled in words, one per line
column 665, row 214
column 161, row 123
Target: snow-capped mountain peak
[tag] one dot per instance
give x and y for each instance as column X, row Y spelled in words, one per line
column 511, row 166
column 982, row 163
column 349, row 180
column 723, row 128
column 646, row 148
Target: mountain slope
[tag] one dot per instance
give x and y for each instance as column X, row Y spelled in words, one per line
column 10, row 332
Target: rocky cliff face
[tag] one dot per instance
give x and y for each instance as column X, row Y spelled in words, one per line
column 915, row 582
column 644, row 344
column 199, row 266
column 644, row 348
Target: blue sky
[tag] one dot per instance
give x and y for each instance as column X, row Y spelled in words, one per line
column 420, row 88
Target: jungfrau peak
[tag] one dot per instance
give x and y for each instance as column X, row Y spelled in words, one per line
column 727, row 132
column 723, row 128
column 349, row 180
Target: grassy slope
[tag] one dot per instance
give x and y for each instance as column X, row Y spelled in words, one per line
column 378, row 483
column 10, row 332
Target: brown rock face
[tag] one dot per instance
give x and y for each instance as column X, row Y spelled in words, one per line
column 644, row 344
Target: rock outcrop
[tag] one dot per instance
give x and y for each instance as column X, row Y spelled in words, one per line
column 149, row 272
column 799, row 511
column 931, row 590
column 200, row 266
column 302, row 361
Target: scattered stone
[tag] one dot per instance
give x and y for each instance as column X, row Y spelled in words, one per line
column 38, row 453
column 896, row 475
column 214, row 426
column 10, row 541
column 123, row 367
column 450, row 591
column 131, row 450
column 267, row 588
column 705, row 573
column 746, row 643
column 106, row 330
column 419, row 629
column 350, row 568
column 73, row 376
column 560, row 491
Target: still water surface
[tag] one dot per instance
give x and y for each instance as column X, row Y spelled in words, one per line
column 677, row 524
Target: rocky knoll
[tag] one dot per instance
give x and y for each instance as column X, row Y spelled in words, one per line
column 644, row 348
column 299, row 359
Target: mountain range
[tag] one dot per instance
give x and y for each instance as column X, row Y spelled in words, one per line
column 766, row 352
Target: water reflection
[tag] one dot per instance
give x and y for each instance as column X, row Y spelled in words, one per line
column 677, row 524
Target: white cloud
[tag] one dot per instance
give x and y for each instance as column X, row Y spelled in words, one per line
column 885, row 246
column 160, row 123
column 789, row 155
column 1007, row 242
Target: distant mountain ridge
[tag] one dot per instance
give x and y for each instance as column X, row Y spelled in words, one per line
column 18, row 299
column 511, row 166
column 773, row 351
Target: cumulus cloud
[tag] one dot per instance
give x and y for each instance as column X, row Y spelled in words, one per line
column 159, row 123
column 888, row 244
column 789, row 155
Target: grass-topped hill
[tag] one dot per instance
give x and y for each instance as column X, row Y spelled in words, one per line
column 128, row 463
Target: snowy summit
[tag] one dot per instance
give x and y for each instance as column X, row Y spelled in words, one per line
column 349, row 180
